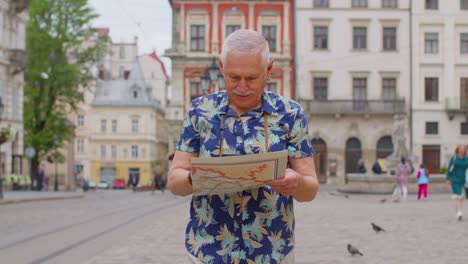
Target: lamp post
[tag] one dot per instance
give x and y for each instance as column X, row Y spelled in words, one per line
column 1, row 176
column 56, row 141
column 212, row 78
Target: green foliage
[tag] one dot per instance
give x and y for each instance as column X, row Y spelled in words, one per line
column 62, row 50
column 443, row 170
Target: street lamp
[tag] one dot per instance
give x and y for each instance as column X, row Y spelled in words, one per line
column 212, row 78
column 56, row 141
column 1, row 176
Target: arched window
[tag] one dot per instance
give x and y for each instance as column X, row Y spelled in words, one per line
column 135, row 94
column 353, row 154
column 384, row 147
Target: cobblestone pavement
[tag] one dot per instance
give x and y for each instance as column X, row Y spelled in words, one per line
column 416, row 232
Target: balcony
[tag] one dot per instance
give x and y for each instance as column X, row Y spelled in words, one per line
column 18, row 6
column 456, row 105
column 17, row 59
column 353, row 107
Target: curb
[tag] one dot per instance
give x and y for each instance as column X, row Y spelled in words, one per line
column 40, row 199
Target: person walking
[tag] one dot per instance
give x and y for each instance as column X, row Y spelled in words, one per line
column 423, row 181
column 40, row 177
column 403, row 173
column 254, row 225
column 455, row 177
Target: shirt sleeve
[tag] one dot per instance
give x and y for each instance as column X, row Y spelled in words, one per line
column 299, row 145
column 448, row 174
column 189, row 140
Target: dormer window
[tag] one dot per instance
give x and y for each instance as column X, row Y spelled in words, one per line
column 135, row 94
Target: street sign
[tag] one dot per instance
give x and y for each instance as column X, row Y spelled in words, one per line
column 30, row 152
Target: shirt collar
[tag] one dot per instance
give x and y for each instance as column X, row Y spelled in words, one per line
column 268, row 105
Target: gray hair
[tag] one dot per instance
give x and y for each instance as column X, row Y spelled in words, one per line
column 246, row 42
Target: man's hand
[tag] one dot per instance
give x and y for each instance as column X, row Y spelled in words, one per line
column 287, row 185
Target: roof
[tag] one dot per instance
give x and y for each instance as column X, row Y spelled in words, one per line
column 154, row 56
column 102, row 31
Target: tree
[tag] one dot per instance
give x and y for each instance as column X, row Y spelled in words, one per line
column 62, row 51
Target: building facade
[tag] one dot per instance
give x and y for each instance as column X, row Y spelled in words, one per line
column 127, row 132
column 440, row 80
column 155, row 75
column 13, row 15
column 353, row 79
column 199, row 28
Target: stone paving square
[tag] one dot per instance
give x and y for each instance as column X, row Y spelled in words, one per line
column 417, row 232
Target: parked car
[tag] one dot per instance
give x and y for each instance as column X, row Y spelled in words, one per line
column 103, row 185
column 91, row 184
column 118, row 184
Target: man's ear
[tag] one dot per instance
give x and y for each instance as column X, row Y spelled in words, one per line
column 221, row 68
column 269, row 68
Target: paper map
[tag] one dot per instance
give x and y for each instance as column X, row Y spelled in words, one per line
column 236, row 173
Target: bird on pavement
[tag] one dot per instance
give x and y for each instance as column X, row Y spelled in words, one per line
column 383, row 200
column 346, row 196
column 353, row 250
column 377, row 228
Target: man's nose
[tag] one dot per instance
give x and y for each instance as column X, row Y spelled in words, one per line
column 242, row 86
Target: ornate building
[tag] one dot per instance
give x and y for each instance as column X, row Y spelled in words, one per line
column 199, row 28
column 13, row 14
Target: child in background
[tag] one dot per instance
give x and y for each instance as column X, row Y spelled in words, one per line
column 423, row 181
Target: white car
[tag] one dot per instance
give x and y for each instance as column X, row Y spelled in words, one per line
column 103, row 185
column 91, row 184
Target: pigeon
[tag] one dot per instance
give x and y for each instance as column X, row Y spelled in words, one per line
column 346, row 196
column 383, row 200
column 353, row 251
column 377, row 228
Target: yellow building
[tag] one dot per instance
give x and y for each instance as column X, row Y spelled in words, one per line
column 127, row 130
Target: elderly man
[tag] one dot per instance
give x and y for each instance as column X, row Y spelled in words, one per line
column 256, row 225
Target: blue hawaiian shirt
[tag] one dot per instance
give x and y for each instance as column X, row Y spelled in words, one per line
column 252, row 226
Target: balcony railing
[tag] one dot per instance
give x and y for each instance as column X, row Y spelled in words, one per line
column 353, row 107
column 17, row 59
column 19, row 6
column 454, row 105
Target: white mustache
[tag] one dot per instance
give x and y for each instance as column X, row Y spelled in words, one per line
column 236, row 92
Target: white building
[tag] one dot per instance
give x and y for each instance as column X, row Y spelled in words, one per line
column 353, row 79
column 440, row 79
column 13, row 15
column 155, row 75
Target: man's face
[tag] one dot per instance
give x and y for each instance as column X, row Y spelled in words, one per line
column 245, row 77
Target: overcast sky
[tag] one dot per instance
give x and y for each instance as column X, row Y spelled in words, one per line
column 150, row 20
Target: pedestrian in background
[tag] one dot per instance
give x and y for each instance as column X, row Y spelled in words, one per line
column 456, row 177
column 403, row 173
column 361, row 167
column 423, row 181
column 40, row 177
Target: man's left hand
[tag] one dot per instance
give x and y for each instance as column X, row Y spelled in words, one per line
column 287, row 185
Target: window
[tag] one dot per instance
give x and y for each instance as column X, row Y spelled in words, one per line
column 135, row 126
column 320, row 3
column 121, row 71
column 271, row 86
column 432, row 4
column 464, row 128
column 384, row 147
column 431, row 43
column 464, row 93
column 464, row 4
column 431, row 89
column 320, row 37
column 320, row 88
column 231, row 28
column 135, row 94
column 389, row 89
column 359, row 3
column 389, row 38
column 122, row 53
column 269, row 33
column 114, row 125
column 360, row 38
column 432, row 128
column 103, row 125
column 464, row 43
column 197, row 37
column 359, row 88
column 80, row 121
column 80, row 146
column 113, row 152
column 134, row 152
column 389, row 3
column 103, row 151
column 195, row 90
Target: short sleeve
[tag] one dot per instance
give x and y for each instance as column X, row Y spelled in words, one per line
column 189, row 140
column 299, row 145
